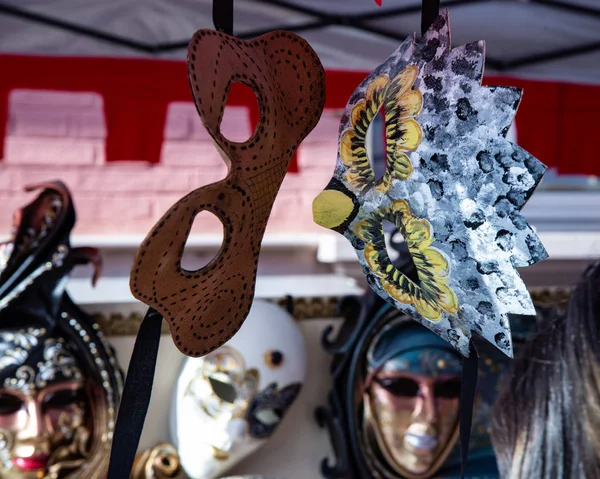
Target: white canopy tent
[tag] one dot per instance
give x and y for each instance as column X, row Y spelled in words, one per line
column 540, row 39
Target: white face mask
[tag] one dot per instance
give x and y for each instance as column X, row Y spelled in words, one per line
column 228, row 403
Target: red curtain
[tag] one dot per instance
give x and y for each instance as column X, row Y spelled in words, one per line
column 556, row 122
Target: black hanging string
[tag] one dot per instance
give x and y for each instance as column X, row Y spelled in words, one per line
column 289, row 304
column 136, row 397
column 430, row 10
column 467, row 399
column 223, row 16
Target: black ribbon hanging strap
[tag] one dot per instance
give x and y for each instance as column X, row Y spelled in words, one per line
column 467, row 399
column 223, row 16
column 136, row 397
column 290, row 304
column 430, row 10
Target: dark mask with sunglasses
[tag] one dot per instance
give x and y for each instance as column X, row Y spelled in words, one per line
column 394, row 407
column 411, row 398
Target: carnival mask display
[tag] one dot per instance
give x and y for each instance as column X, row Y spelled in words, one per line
column 411, row 398
column 59, row 380
column 453, row 185
column 228, row 403
column 393, row 411
column 394, row 408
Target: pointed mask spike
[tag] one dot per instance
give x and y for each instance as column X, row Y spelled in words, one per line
column 506, row 101
column 468, row 61
column 438, row 33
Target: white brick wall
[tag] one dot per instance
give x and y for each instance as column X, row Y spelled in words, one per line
column 54, row 135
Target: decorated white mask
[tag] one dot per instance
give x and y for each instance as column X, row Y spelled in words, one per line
column 227, row 404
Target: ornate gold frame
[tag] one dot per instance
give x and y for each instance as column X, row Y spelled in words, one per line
column 304, row 308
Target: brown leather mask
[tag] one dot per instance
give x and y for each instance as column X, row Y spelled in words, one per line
column 205, row 308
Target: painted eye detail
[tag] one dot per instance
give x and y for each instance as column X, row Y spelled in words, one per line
column 449, row 389
column 401, row 387
column 274, row 358
column 268, row 416
column 63, row 398
column 223, row 389
column 9, row 404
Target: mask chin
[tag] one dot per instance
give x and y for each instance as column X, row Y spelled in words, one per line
column 210, row 427
column 207, row 446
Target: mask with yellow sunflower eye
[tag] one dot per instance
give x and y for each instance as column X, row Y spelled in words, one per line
column 453, row 185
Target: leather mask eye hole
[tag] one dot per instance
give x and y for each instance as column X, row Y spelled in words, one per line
column 223, row 390
column 204, row 222
column 401, row 387
column 274, row 358
column 241, row 104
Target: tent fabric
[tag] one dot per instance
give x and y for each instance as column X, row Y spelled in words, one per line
column 140, row 69
column 555, row 40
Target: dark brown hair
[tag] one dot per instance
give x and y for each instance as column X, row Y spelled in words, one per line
column 546, row 422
